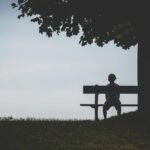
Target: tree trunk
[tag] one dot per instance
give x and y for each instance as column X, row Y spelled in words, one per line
column 144, row 68
column 144, row 77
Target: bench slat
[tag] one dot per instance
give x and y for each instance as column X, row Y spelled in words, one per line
column 122, row 105
column 104, row 89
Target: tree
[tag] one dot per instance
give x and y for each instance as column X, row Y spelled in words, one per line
column 99, row 21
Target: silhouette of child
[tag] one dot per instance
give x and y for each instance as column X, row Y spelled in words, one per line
column 112, row 96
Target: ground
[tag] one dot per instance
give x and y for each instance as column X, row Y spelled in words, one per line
column 127, row 132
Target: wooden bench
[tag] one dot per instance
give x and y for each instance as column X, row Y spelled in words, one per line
column 102, row 90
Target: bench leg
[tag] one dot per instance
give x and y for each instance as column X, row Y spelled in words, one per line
column 104, row 113
column 96, row 107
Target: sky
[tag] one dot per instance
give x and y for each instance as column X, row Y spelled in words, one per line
column 43, row 77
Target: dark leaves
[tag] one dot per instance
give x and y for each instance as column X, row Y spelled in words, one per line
column 100, row 21
column 37, row 19
column 14, row 5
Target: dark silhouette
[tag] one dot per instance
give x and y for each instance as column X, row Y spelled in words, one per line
column 124, row 22
column 112, row 92
column 112, row 96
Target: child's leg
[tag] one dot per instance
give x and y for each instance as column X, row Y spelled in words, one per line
column 105, row 108
column 118, row 108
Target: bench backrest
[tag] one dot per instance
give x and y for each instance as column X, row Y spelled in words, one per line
column 103, row 89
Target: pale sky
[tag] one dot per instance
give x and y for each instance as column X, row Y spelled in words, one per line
column 43, row 77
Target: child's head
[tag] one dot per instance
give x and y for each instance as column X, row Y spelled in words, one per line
column 111, row 77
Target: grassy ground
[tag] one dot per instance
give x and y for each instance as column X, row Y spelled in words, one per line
column 127, row 132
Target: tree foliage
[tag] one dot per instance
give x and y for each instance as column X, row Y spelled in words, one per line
column 98, row 21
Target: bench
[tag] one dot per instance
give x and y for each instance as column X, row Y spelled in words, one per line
column 103, row 89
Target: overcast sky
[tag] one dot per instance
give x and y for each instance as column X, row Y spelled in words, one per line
column 43, row 77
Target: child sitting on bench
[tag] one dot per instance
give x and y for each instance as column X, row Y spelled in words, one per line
column 112, row 96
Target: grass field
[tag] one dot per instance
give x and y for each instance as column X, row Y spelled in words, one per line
column 127, row 132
